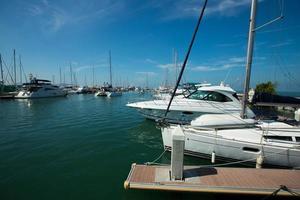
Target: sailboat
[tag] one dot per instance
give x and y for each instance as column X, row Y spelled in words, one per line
column 109, row 91
column 237, row 137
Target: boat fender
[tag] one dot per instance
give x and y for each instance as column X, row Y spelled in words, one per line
column 259, row 161
column 213, row 157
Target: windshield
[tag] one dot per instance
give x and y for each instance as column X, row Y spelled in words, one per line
column 209, row 96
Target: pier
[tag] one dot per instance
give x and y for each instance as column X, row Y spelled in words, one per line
column 216, row 180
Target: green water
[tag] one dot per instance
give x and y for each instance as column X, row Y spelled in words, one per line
column 78, row 147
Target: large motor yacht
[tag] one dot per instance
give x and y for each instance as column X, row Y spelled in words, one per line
column 38, row 88
column 207, row 99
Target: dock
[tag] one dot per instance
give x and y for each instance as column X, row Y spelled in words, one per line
column 7, row 96
column 248, row 181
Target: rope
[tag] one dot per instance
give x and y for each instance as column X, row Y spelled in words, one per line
column 154, row 161
column 284, row 188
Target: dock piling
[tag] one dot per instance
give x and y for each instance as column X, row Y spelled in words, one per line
column 177, row 155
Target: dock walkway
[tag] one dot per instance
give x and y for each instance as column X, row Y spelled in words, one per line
column 216, row 180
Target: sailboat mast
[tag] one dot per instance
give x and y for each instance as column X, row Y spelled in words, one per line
column 2, row 78
column 21, row 81
column 71, row 73
column 93, row 76
column 59, row 75
column 15, row 69
column 110, row 77
column 249, row 57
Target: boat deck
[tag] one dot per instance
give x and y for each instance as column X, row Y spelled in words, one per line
column 215, row 180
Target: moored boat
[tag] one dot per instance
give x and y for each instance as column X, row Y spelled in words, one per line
column 38, row 88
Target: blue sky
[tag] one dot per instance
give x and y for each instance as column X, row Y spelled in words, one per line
column 142, row 36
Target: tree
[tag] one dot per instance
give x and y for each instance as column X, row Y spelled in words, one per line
column 268, row 87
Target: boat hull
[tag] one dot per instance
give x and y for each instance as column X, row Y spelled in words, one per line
column 204, row 143
column 33, row 95
column 113, row 94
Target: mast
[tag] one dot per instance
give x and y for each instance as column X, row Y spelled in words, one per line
column 15, row 69
column 93, row 76
column 249, row 57
column 2, row 78
column 71, row 73
column 110, row 74
column 147, row 81
column 59, row 75
column 175, row 64
column 21, row 81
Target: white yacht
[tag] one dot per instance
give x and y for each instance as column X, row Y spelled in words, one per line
column 206, row 99
column 38, row 88
column 231, row 138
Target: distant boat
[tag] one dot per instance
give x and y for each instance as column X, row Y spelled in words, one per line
column 38, row 88
column 109, row 91
column 113, row 94
column 101, row 92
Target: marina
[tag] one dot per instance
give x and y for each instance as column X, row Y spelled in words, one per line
column 219, row 119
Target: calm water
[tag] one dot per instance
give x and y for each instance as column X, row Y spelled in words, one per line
column 78, row 147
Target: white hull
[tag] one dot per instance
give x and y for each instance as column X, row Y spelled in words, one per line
column 101, row 94
column 185, row 110
column 40, row 94
column 212, row 100
column 237, row 144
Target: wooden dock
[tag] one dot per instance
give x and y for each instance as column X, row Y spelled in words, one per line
column 216, row 180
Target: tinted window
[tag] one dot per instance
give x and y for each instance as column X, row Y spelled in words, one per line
column 297, row 139
column 283, row 138
column 209, row 96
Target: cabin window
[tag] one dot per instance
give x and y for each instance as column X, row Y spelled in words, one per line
column 235, row 96
column 282, row 138
column 297, row 139
column 209, row 96
column 251, row 149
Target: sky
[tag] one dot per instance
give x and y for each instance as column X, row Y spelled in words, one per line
column 145, row 36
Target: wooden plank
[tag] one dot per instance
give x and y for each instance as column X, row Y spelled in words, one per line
column 215, row 180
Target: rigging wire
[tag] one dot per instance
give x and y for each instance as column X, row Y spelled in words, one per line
column 186, row 58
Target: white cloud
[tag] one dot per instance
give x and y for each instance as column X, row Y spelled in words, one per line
column 280, row 44
column 148, row 60
column 53, row 16
column 220, row 65
column 85, row 67
column 189, row 8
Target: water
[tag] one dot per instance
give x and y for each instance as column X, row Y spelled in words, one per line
column 78, row 147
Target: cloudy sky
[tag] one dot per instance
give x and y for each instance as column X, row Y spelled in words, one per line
column 143, row 36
